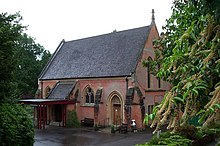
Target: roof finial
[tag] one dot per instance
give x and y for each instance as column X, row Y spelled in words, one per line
column 153, row 17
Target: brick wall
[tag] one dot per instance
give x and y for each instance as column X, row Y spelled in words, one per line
column 117, row 87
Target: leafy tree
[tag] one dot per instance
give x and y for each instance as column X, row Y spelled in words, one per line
column 21, row 59
column 16, row 127
column 189, row 58
column 10, row 30
column 30, row 60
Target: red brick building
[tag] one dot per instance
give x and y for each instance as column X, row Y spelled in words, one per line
column 103, row 77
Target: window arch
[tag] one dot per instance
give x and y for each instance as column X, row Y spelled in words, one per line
column 116, row 100
column 47, row 91
column 148, row 73
column 89, row 95
column 115, row 108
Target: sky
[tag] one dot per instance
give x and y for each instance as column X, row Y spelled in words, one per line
column 51, row 21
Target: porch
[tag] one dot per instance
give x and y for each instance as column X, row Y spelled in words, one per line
column 41, row 107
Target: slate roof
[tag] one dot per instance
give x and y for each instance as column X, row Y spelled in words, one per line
column 109, row 55
column 61, row 90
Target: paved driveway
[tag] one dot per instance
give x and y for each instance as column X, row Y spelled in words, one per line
column 56, row 136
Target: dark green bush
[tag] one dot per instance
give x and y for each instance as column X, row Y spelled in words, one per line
column 187, row 135
column 175, row 140
column 188, row 131
column 72, row 119
column 155, row 140
column 16, row 127
column 167, row 138
column 199, row 135
column 215, row 129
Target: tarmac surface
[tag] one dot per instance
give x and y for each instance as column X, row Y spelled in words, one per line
column 57, row 136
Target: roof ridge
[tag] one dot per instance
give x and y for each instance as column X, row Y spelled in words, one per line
column 95, row 36
column 105, row 62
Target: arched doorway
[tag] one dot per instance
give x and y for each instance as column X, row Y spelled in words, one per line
column 116, row 110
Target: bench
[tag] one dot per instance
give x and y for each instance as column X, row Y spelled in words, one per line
column 87, row 122
column 123, row 128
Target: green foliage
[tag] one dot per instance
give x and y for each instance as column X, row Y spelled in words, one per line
column 10, row 30
column 113, row 129
column 17, row 50
column 175, row 140
column 189, row 58
column 147, row 118
column 16, row 126
column 30, row 59
column 212, row 130
column 72, row 119
column 188, row 132
column 186, row 135
column 21, row 59
column 199, row 135
column 167, row 138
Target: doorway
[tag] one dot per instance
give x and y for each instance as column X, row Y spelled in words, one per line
column 58, row 113
column 116, row 110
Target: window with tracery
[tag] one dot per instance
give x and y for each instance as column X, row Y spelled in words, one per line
column 89, row 95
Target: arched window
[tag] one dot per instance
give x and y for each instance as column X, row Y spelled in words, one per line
column 148, row 73
column 89, row 95
column 47, row 91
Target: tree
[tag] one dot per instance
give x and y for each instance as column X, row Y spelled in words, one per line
column 30, row 59
column 15, row 125
column 189, row 58
column 21, row 59
column 10, row 30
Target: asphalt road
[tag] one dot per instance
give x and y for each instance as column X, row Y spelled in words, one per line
column 57, row 136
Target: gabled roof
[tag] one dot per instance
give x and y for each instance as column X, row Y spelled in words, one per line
column 109, row 55
column 62, row 90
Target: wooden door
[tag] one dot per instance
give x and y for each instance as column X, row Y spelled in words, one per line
column 117, row 118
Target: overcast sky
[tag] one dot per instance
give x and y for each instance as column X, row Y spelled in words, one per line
column 50, row 21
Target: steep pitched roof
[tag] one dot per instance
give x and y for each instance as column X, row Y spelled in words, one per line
column 61, row 90
column 109, row 55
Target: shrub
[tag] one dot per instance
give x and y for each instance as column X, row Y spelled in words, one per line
column 72, row 119
column 199, row 135
column 175, row 140
column 188, row 131
column 112, row 129
column 215, row 128
column 16, row 127
column 155, row 140
column 167, row 138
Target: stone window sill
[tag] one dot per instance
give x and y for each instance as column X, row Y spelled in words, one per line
column 88, row 104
